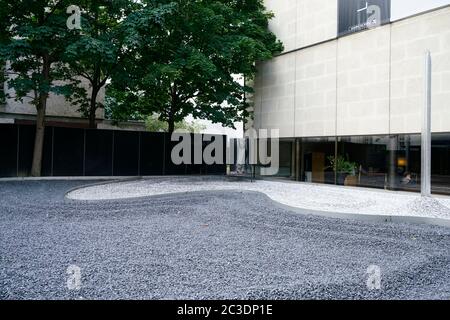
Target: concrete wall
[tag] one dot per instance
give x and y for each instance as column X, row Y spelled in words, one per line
column 363, row 83
column 367, row 83
column 316, row 20
column 275, row 95
column 315, row 99
column 300, row 23
column 410, row 40
column 56, row 106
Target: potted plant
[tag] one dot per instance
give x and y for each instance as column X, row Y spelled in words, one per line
column 342, row 167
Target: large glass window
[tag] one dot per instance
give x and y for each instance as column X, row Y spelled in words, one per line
column 404, row 162
column 440, row 163
column 286, row 153
column 384, row 162
column 315, row 158
column 362, row 161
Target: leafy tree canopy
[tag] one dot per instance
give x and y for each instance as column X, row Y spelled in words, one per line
column 36, row 39
column 97, row 52
column 153, row 124
column 183, row 57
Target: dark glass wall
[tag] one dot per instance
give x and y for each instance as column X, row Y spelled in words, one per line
column 362, row 161
column 85, row 152
column 405, row 162
column 68, row 152
column 383, row 162
column 26, row 147
column 8, row 150
column 126, row 153
column 286, row 165
column 152, row 154
column 440, row 163
column 315, row 158
column 99, row 148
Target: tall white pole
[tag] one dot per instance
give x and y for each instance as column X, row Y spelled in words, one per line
column 426, row 132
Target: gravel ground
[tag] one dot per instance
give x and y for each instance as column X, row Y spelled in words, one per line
column 299, row 195
column 206, row 245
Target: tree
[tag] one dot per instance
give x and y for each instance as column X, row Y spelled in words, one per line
column 97, row 52
column 4, row 39
column 37, row 38
column 153, row 124
column 183, row 58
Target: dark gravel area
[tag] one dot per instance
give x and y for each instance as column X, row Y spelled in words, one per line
column 213, row 245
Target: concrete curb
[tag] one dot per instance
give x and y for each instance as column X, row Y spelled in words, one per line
column 297, row 210
column 100, row 183
column 366, row 217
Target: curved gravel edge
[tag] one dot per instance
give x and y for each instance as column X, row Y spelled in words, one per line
column 296, row 210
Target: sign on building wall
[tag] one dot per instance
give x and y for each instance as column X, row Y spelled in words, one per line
column 358, row 15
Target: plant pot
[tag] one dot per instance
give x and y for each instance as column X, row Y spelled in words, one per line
column 341, row 176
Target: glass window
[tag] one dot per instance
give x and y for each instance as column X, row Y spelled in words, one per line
column 384, row 162
column 362, row 161
column 286, row 148
column 440, row 163
column 404, row 162
column 315, row 160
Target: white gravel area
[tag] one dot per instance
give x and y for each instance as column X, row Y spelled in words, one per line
column 300, row 195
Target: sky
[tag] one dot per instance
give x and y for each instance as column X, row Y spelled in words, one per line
column 404, row 8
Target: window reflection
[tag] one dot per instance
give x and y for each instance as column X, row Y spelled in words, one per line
column 385, row 162
column 315, row 164
column 362, row 161
column 404, row 161
column 440, row 163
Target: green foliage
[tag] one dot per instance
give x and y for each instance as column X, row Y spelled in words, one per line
column 342, row 165
column 96, row 53
column 154, row 124
column 2, row 81
column 182, row 58
column 34, row 40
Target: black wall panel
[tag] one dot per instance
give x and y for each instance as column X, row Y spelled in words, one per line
column 170, row 167
column 126, row 153
column 68, row 152
column 152, row 154
column 78, row 152
column 8, row 151
column 98, row 158
column 216, row 169
column 26, row 148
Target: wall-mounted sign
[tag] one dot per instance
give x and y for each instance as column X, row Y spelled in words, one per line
column 358, row 15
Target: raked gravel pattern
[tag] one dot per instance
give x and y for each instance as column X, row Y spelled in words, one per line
column 207, row 245
column 299, row 195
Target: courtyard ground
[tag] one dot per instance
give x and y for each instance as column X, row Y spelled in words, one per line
column 206, row 245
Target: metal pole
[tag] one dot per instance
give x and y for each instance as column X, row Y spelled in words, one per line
column 426, row 132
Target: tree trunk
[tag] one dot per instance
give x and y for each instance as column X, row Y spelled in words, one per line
column 171, row 118
column 93, row 108
column 171, row 123
column 39, row 138
column 36, row 166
